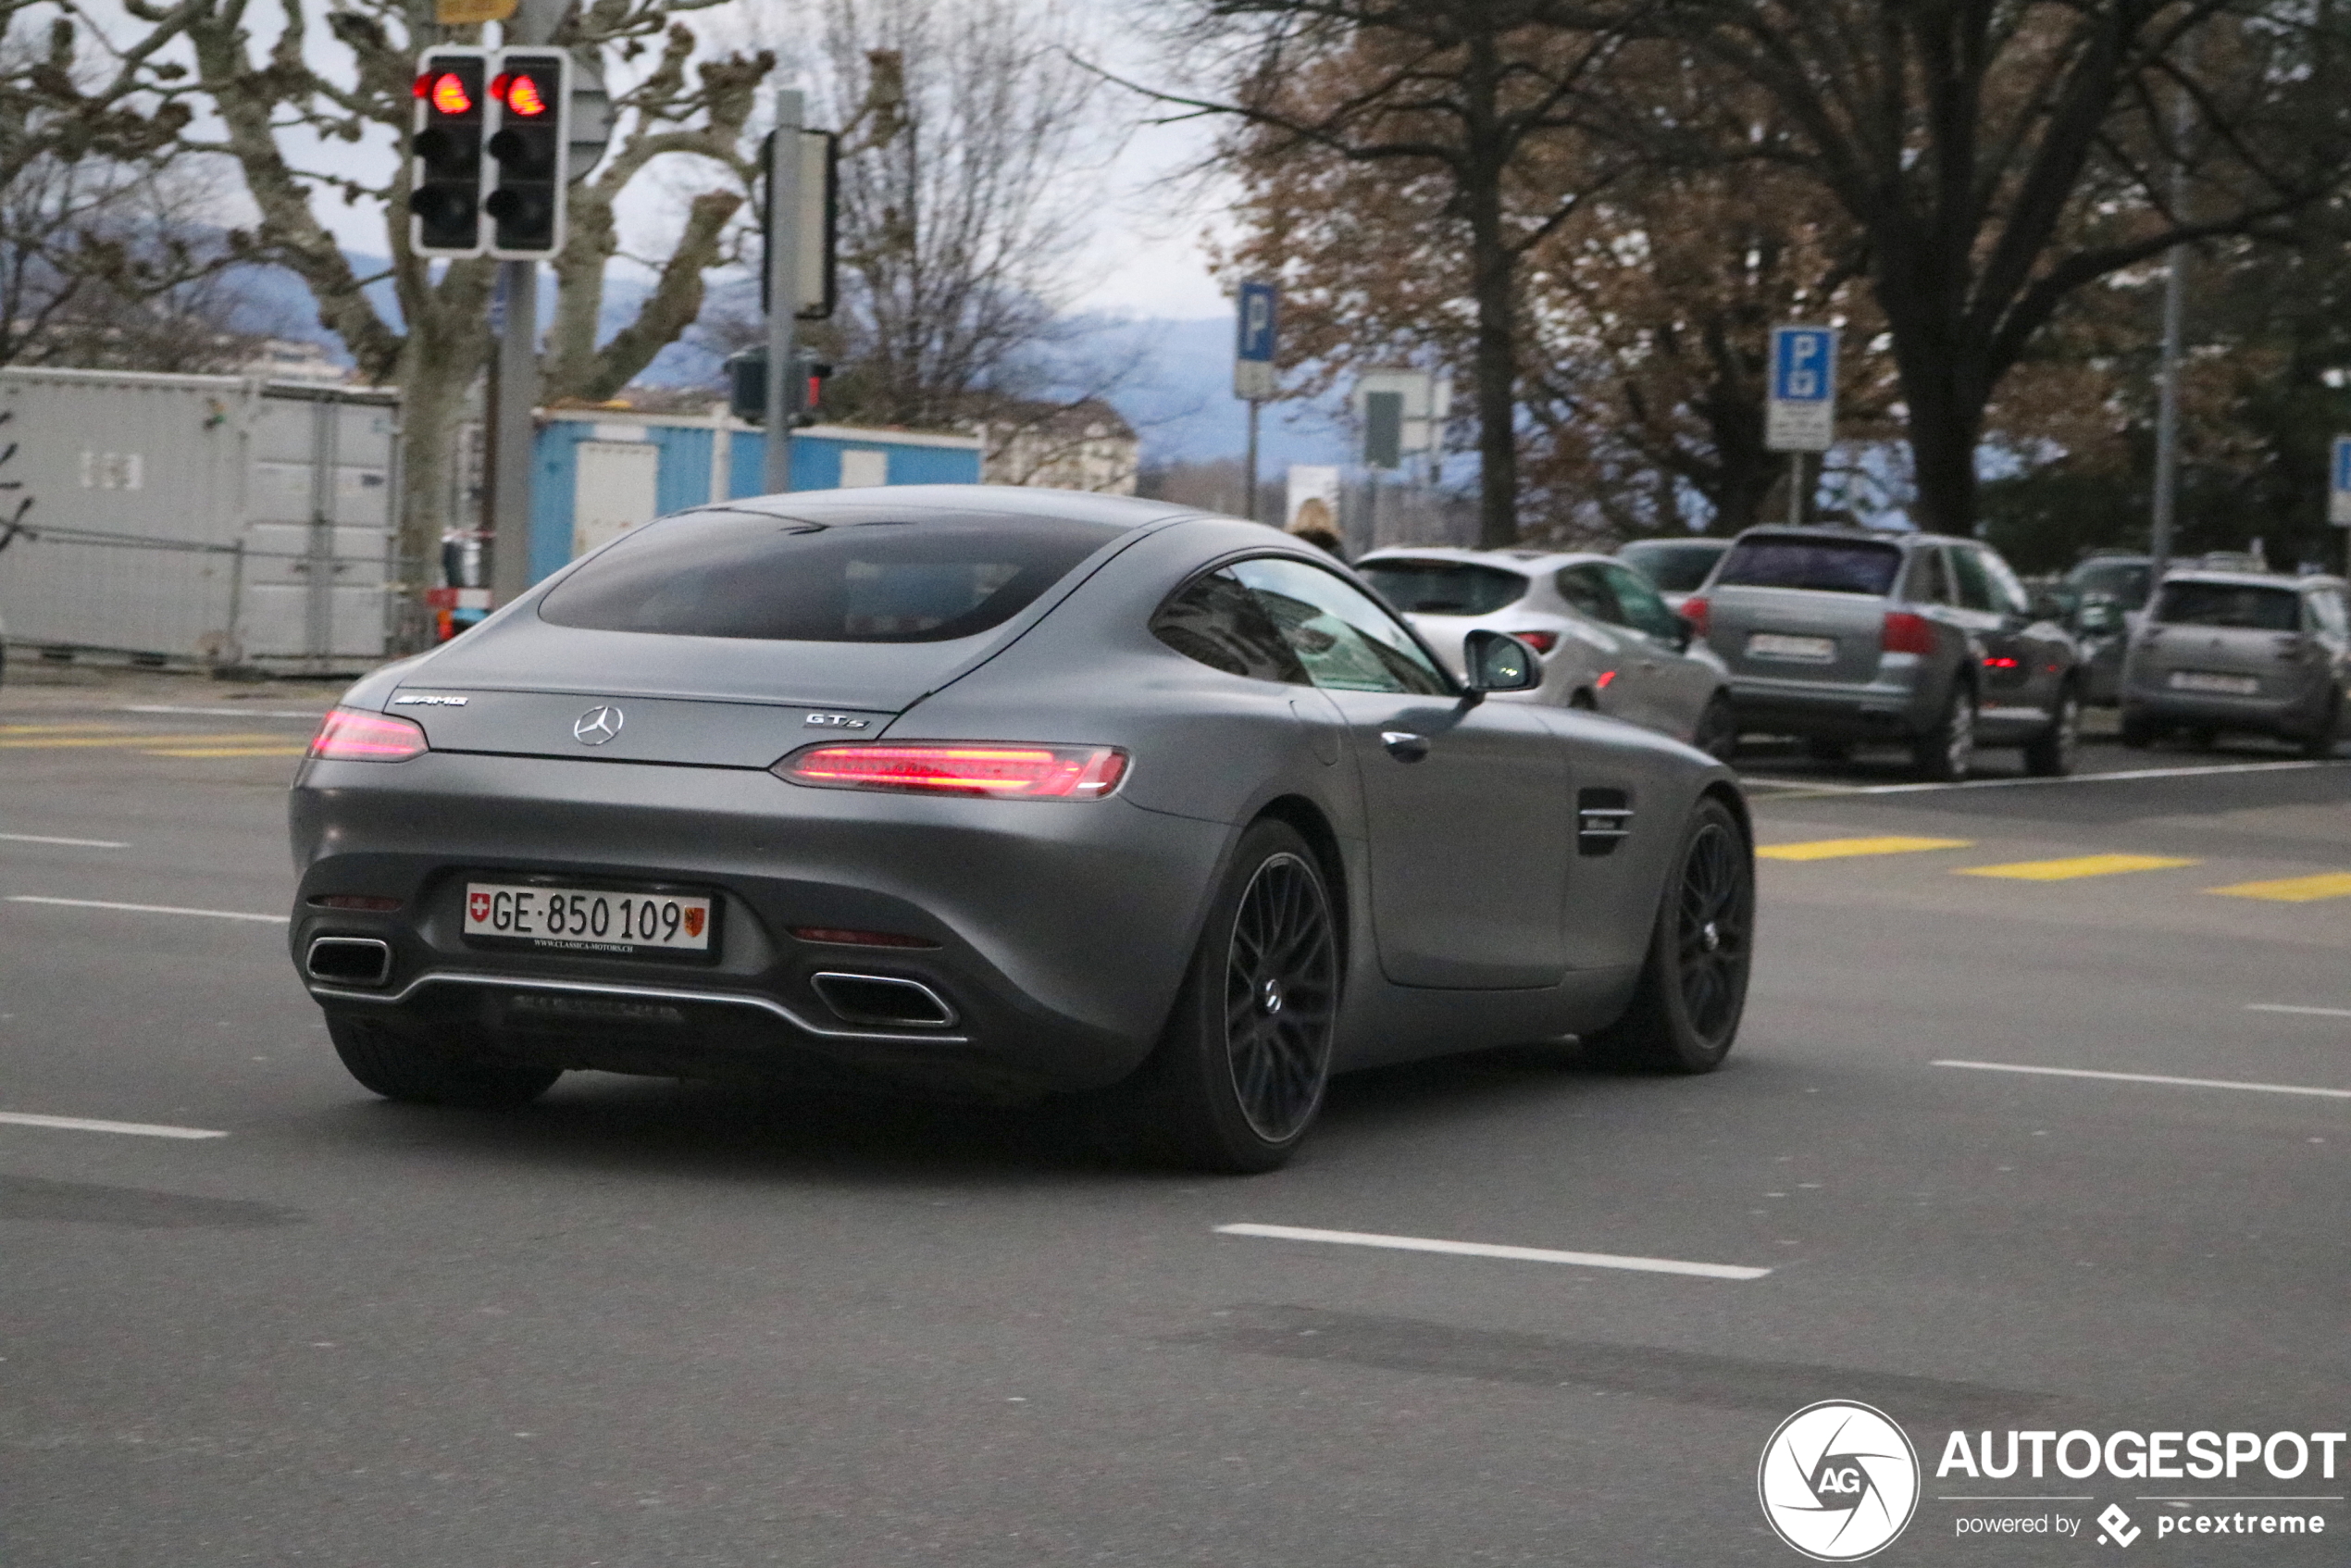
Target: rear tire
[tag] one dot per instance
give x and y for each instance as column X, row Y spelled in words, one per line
column 1686, row 1010
column 2051, row 753
column 1718, row 730
column 1238, row 1075
column 2318, row 744
column 1947, row 753
column 398, row 1065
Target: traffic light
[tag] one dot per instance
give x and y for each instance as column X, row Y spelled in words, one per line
column 445, row 182
column 530, row 99
column 808, row 389
column 747, row 387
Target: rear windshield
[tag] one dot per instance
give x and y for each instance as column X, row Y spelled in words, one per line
column 2241, row 606
column 1823, row 566
column 725, row 573
column 1675, row 567
column 1444, row 588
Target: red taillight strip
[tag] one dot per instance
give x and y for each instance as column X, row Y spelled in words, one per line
column 1002, row 772
column 354, row 735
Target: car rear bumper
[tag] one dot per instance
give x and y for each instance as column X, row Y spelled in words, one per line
column 1900, row 702
column 1058, row 931
column 2272, row 713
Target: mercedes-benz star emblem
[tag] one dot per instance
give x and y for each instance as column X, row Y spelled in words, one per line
column 597, row 726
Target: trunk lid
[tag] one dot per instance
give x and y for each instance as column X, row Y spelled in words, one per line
column 1796, row 634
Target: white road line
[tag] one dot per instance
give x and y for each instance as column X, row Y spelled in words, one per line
column 149, row 908
column 2151, row 1079
column 1489, row 1249
column 77, row 843
column 311, row 716
column 1832, row 789
column 2306, row 1012
column 83, row 1124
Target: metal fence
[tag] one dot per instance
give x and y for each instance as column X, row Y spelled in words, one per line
column 179, row 600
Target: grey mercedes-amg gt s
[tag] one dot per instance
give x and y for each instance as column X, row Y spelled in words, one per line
column 1017, row 790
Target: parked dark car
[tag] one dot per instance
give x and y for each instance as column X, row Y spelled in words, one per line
column 2246, row 652
column 1006, row 791
column 1676, row 567
column 1838, row 635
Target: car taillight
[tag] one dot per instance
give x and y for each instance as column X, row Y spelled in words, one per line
column 1999, row 661
column 351, row 735
column 1694, row 610
column 1907, row 633
column 1003, row 772
column 1541, row 641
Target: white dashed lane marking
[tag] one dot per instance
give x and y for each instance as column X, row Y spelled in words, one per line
column 1490, row 1249
column 2163, row 1079
column 84, row 1124
column 73, row 844
column 148, row 908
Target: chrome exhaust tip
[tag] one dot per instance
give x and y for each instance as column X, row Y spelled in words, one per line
column 349, row 960
column 883, row 999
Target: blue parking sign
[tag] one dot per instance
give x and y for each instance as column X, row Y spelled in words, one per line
column 1253, row 344
column 1803, row 364
column 2339, row 483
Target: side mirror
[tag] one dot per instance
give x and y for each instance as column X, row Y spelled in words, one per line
column 1497, row 662
column 2097, row 618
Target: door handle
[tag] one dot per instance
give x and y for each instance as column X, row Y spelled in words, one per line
column 1403, row 745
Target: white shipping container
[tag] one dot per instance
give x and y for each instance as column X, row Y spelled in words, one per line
column 207, row 518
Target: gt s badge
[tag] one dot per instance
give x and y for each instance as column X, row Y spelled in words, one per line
column 834, row 721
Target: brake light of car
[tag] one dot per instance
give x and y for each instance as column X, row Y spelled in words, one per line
column 838, row 937
column 353, row 735
column 1694, row 610
column 1541, row 641
column 372, row 903
column 1002, row 771
column 1907, row 633
column 1999, row 661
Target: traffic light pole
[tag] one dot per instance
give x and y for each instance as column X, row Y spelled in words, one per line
column 783, row 288
column 514, row 392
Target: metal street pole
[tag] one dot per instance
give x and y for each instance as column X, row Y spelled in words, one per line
column 514, row 379
column 783, row 286
column 1249, row 479
column 1795, row 489
column 2167, row 414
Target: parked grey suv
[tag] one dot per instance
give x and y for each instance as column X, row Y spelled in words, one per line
column 2240, row 651
column 1838, row 635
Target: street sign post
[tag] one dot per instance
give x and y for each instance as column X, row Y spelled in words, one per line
column 1253, row 369
column 786, row 166
column 1799, row 412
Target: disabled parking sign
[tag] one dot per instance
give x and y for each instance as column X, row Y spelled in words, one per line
column 1800, row 414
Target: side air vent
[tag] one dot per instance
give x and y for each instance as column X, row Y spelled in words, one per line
column 1603, row 819
column 883, row 999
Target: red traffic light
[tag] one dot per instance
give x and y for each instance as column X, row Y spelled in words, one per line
column 521, row 94
column 447, row 94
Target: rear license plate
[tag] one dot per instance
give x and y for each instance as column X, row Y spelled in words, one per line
column 589, row 919
column 1806, row 650
column 2225, row 685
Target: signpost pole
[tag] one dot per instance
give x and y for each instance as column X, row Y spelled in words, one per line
column 1795, row 489
column 783, row 288
column 1249, row 481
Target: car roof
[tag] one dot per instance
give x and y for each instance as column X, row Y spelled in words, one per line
column 1899, row 540
column 1709, row 542
column 2245, row 579
column 917, row 500
column 1528, row 562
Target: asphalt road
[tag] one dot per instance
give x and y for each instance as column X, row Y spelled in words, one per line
column 645, row 1324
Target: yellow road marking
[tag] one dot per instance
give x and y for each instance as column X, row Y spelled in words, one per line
column 2078, row 865
column 53, row 729
column 2293, row 889
column 184, row 738
column 230, row 752
column 1838, row 849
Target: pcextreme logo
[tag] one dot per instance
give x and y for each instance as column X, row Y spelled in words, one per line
column 1838, row 1481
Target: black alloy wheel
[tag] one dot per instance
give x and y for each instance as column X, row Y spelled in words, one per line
column 1280, row 975
column 2052, row 754
column 1686, row 1010
column 1240, row 1072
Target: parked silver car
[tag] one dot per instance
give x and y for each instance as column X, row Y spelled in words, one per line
column 1606, row 639
column 1674, row 565
column 1837, row 636
column 2240, row 651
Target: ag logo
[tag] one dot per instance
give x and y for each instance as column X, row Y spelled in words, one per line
column 1838, row 1481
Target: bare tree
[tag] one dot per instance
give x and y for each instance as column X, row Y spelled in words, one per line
column 271, row 74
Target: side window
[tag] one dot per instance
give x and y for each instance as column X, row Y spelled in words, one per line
column 1587, row 594
column 1930, row 578
column 1214, row 619
column 2327, row 607
column 2008, row 592
column 1640, row 606
column 1974, row 582
column 1344, row 640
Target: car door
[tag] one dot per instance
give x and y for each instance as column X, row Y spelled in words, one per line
column 1466, row 804
column 1615, row 646
column 1672, row 688
column 2023, row 659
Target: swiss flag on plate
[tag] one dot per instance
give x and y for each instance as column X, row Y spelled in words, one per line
column 479, row 907
column 693, row 922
